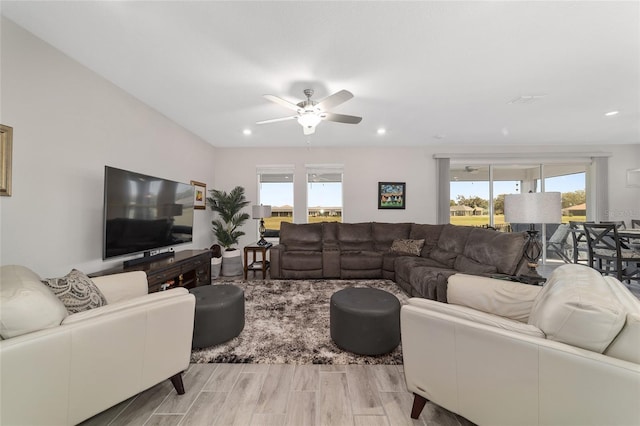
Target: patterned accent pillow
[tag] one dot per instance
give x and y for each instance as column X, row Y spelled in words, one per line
column 76, row 291
column 407, row 246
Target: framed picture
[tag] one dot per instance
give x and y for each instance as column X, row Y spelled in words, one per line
column 392, row 195
column 6, row 144
column 199, row 195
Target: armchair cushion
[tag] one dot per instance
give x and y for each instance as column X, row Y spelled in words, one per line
column 26, row 304
column 576, row 306
column 76, row 291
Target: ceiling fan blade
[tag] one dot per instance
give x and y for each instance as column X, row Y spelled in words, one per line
column 309, row 130
column 342, row 118
column 275, row 120
column 282, row 102
column 334, row 100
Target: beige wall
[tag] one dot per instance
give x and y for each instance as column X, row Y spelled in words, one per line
column 68, row 124
column 364, row 167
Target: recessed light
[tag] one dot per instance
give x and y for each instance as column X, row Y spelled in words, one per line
column 439, row 136
column 246, row 132
column 611, row 113
column 382, row 131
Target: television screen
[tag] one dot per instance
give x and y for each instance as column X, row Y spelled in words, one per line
column 144, row 213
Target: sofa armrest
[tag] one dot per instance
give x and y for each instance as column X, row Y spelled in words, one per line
column 83, row 367
column 118, row 287
column 275, row 260
column 122, row 306
column 454, row 361
column 478, row 317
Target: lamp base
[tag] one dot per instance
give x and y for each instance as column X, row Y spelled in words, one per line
column 532, row 276
column 262, row 242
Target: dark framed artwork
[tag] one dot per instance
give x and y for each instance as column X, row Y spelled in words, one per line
column 392, row 195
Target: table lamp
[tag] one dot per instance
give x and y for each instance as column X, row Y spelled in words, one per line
column 532, row 208
column 260, row 212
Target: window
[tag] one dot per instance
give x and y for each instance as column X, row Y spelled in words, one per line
column 324, row 193
column 478, row 191
column 275, row 189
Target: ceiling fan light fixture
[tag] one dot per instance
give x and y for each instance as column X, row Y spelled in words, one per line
column 309, row 120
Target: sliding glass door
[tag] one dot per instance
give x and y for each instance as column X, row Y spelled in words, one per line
column 477, row 192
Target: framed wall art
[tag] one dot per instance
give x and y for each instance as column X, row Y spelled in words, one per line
column 6, row 145
column 392, row 195
column 199, row 195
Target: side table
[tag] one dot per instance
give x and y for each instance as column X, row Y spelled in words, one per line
column 256, row 265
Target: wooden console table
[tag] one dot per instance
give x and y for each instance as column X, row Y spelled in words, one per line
column 187, row 268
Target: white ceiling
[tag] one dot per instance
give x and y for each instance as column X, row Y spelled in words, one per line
column 429, row 72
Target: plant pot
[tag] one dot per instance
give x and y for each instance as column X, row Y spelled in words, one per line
column 231, row 263
column 216, row 265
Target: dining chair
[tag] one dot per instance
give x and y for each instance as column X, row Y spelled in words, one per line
column 558, row 243
column 579, row 239
column 608, row 255
column 635, row 223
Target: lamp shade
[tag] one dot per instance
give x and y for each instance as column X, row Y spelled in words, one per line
column 533, row 207
column 259, row 212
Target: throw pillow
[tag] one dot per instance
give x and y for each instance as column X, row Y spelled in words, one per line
column 76, row 291
column 413, row 247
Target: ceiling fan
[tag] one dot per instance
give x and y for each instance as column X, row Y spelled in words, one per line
column 310, row 113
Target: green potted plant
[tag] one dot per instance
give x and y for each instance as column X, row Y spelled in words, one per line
column 226, row 226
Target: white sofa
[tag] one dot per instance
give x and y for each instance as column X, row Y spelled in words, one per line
column 59, row 369
column 504, row 353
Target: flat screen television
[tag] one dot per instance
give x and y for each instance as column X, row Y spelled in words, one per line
column 144, row 213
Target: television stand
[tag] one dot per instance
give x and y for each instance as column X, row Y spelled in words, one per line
column 147, row 258
column 186, row 268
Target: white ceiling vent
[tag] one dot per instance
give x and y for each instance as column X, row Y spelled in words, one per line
column 526, row 99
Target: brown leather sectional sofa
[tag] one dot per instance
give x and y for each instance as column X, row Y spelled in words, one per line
column 364, row 250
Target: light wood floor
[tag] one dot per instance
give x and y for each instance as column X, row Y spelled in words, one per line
column 297, row 395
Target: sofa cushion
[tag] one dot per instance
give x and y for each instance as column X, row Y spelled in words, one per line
column 429, row 233
column 503, row 250
column 361, row 260
column 453, row 238
column 403, row 266
column 355, row 236
column 76, row 291
column 302, row 260
column 430, row 282
column 444, row 257
column 498, row 297
column 470, row 266
column 385, row 233
column 577, row 307
column 412, row 247
column 26, row 304
column 626, row 345
column 301, row 237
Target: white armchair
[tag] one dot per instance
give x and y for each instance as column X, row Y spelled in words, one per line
column 504, row 353
column 61, row 373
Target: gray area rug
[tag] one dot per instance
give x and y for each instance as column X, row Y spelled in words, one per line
column 287, row 322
